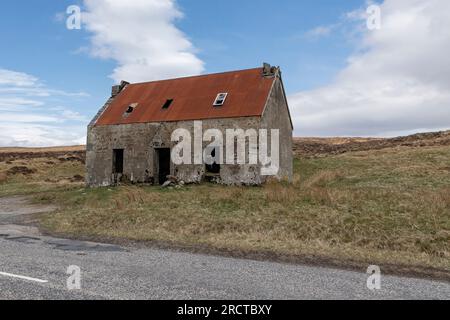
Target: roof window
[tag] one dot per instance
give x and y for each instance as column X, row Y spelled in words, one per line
column 220, row 99
column 167, row 104
column 130, row 109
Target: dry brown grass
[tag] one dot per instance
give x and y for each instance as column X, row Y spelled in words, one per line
column 280, row 193
column 323, row 178
column 334, row 141
column 40, row 150
column 3, row 177
column 48, row 174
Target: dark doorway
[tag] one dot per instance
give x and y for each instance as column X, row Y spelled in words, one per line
column 118, row 161
column 215, row 167
column 163, row 162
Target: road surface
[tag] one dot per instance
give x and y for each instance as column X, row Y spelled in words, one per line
column 33, row 266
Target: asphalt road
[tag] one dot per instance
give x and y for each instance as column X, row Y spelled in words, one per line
column 33, row 266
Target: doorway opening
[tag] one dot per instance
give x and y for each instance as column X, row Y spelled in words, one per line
column 212, row 170
column 118, row 161
column 163, row 164
column 117, row 165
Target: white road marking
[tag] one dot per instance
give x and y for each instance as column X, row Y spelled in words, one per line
column 22, row 277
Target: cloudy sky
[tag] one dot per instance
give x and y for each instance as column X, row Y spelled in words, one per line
column 342, row 78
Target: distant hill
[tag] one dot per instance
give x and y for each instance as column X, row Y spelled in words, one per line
column 72, row 152
column 314, row 147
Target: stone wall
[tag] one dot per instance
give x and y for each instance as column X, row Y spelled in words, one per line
column 139, row 142
column 276, row 116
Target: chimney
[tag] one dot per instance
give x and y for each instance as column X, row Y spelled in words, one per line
column 268, row 70
column 118, row 88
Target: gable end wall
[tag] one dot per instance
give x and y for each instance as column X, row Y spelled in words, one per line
column 276, row 116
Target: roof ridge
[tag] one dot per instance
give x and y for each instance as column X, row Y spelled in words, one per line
column 197, row 76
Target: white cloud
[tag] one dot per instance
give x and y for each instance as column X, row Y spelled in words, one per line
column 17, row 79
column 320, row 31
column 398, row 82
column 60, row 17
column 38, row 135
column 141, row 36
column 27, row 117
column 6, row 103
column 73, row 115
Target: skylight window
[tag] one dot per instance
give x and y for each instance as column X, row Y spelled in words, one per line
column 167, row 104
column 130, row 109
column 220, row 99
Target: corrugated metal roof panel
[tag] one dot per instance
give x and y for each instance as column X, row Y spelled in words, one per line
column 193, row 98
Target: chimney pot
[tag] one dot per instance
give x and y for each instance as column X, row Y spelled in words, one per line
column 116, row 89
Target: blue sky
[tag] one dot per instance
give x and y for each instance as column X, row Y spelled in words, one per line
column 314, row 42
column 241, row 34
column 228, row 35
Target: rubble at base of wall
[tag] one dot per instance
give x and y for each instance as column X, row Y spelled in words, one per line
column 178, row 183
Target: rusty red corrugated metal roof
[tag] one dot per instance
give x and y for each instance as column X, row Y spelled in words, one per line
column 193, row 98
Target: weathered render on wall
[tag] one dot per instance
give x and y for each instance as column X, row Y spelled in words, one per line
column 276, row 116
column 140, row 143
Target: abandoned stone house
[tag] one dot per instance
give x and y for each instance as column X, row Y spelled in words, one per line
column 130, row 137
